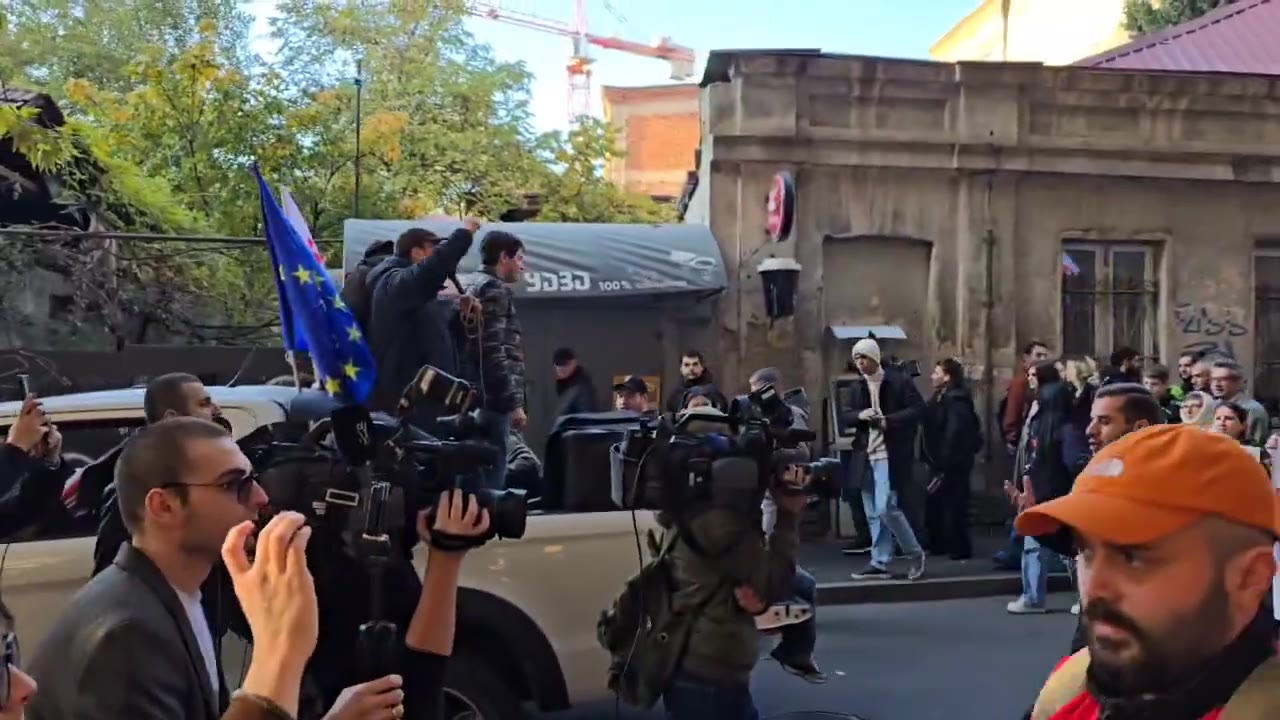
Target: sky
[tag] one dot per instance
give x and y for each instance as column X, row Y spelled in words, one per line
column 892, row 28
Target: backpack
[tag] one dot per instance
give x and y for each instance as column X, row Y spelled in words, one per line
column 645, row 635
column 356, row 292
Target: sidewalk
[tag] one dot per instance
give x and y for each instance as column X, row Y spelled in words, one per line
column 944, row 579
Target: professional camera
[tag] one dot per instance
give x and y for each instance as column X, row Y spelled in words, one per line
column 683, row 462
column 384, row 470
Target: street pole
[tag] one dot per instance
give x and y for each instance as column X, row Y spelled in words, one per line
column 355, row 200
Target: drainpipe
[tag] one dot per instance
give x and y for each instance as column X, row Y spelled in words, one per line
column 988, row 310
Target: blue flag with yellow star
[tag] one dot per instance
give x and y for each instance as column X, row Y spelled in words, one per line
column 313, row 318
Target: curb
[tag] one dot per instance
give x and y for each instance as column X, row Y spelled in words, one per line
column 929, row 590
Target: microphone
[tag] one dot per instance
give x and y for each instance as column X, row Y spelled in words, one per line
column 352, row 429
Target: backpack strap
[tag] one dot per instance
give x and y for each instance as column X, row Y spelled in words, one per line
column 1258, row 698
column 1064, row 685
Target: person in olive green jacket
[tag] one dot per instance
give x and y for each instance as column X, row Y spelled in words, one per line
column 742, row 572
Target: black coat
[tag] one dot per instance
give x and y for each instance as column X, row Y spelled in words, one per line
column 950, row 432
column 677, row 398
column 123, row 631
column 1055, row 445
column 30, row 491
column 576, row 395
column 902, row 406
column 406, row 328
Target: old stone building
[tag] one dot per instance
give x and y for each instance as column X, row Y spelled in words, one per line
column 978, row 206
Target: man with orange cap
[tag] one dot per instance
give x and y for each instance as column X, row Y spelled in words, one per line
column 1175, row 529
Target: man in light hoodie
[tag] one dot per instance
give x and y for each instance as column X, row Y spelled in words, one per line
column 884, row 409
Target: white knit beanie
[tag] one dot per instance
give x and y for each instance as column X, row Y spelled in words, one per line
column 868, row 348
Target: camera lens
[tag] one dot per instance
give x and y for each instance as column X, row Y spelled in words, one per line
column 508, row 512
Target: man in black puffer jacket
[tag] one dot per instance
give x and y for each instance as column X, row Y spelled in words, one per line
column 496, row 362
column 407, row 329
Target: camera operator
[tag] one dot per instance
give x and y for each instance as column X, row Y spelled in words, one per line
column 713, row 678
column 407, row 329
column 795, row 652
column 496, row 357
column 32, row 473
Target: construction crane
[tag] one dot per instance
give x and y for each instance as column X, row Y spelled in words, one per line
column 578, row 68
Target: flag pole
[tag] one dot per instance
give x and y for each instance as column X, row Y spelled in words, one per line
column 293, row 365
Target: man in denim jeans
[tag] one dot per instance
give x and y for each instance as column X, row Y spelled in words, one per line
column 883, row 408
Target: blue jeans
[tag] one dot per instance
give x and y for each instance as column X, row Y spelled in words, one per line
column 694, row 698
column 1035, row 571
column 885, row 519
column 798, row 640
column 498, row 430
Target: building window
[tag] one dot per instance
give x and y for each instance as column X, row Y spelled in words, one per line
column 1266, row 324
column 1109, row 295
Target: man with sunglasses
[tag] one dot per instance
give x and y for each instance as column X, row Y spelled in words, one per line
column 136, row 642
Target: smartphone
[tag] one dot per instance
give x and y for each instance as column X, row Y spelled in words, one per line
column 25, row 381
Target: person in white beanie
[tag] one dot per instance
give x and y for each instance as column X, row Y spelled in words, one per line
column 884, row 410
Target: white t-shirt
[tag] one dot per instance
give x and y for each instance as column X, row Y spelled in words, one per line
column 204, row 638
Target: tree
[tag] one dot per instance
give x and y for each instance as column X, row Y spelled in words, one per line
column 168, row 106
column 1147, row 16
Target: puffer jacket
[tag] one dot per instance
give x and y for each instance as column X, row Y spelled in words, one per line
column 497, row 363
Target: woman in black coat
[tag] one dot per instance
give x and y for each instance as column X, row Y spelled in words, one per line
column 1054, row 443
column 951, row 436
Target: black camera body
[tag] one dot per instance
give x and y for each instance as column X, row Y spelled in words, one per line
column 677, row 463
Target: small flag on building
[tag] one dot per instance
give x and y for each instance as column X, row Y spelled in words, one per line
column 1069, row 266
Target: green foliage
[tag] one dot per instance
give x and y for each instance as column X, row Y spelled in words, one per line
column 1148, row 16
column 168, row 106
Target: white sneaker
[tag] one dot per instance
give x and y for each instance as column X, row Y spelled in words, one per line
column 1022, row 607
column 1075, row 609
column 783, row 614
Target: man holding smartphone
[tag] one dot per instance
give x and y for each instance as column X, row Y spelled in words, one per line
column 32, row 473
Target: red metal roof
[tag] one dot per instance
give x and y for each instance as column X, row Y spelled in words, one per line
column 1243, row 37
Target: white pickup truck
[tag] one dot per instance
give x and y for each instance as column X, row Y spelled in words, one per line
column 526, row 612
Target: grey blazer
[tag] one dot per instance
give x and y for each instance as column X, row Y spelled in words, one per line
column 124, row 649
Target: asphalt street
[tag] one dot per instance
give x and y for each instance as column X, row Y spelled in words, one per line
column 951, row 660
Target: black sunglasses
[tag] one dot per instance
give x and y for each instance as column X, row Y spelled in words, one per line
column 11, row 661
column 241, row 487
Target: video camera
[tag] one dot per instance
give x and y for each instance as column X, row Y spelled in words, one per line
column 361, row 479
column 677, row 463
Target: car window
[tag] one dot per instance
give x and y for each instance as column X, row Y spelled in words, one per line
column 83, row 441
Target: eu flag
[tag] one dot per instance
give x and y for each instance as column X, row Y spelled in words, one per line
column 313, row 318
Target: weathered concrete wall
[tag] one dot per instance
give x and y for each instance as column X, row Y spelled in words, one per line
column 938, row 197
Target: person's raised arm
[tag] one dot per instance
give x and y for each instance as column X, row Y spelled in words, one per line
column 422, row 282
column 278, row 597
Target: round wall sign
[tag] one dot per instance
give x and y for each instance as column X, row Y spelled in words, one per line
column 780, row 207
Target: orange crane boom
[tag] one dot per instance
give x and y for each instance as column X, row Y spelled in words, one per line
column 680, row 57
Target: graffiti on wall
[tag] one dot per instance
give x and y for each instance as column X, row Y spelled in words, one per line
column 1210, row 329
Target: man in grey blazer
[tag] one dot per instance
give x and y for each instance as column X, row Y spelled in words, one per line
column 134, row 642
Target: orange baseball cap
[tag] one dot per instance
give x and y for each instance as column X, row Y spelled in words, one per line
column 1157, row 481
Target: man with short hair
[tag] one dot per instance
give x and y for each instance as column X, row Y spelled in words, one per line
column 575, row 392
column 1155, row 378
column 171, row 395
column 1186, row 361
column 1118, row 410
column 496, row 360
column 632, row 395
column 1018, row 398
column 883, row 408
column 1176, row 529
column 1226, row 383
column 408, row 328
column 135, row 642
column 1125, row 367
column 1200, row 371
column 694, row 374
